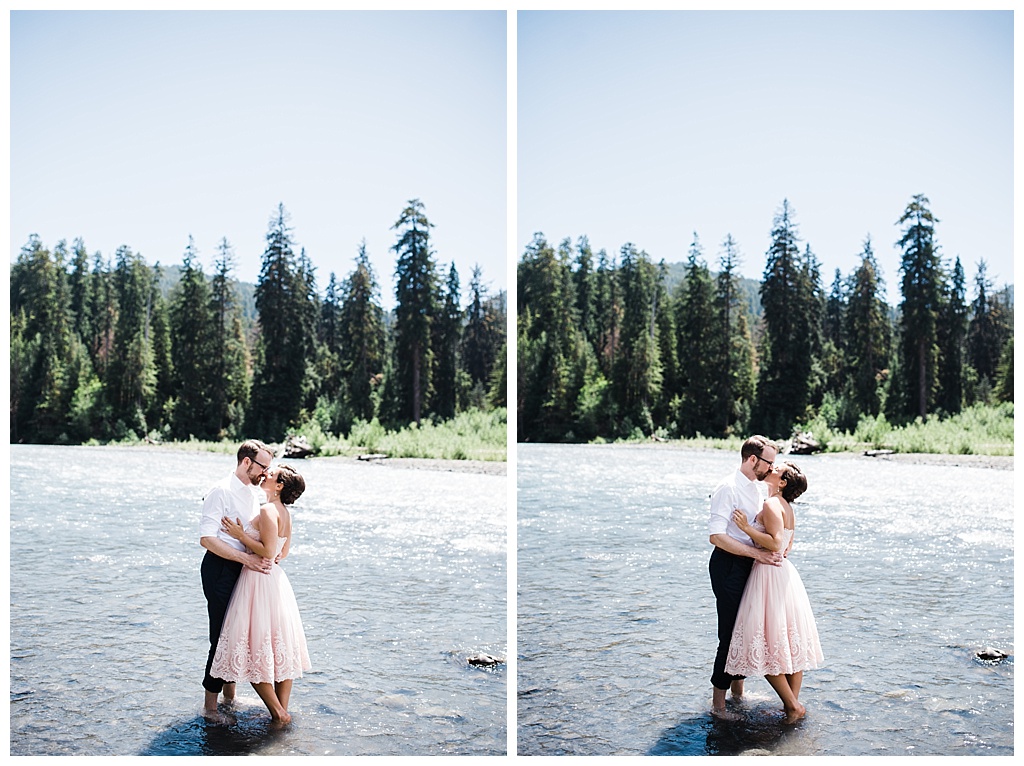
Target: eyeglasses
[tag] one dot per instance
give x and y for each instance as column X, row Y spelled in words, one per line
column 257, row 462
column 771, row 463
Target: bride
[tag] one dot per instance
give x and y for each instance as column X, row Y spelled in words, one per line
column 262, row 640
column 775, row 635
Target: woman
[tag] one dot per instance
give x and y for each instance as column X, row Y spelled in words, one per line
column 262, row 641
column 775, row 635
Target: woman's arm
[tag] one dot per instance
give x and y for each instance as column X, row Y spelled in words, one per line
column 771, row 517
column 267, row 525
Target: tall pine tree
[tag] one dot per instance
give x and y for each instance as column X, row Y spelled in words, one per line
column 361, row 328
column 921, row 284
column 194, row 355
column 415, row 311
column 280, row 364
column 951, row 340
column 868, row 335
column 447, row 335
column 637, row 374
column 792, row 305
column 696, row 345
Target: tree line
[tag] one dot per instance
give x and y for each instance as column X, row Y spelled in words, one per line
column 607, row 350
column 100, row 351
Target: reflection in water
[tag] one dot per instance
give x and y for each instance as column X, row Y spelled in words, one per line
column 761, row 731
column 249, row 733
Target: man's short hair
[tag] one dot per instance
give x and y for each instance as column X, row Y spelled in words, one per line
column 755, row 446
column 250, row 448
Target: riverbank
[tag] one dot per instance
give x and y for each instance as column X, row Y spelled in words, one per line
column 488, row 467
column 995, row 462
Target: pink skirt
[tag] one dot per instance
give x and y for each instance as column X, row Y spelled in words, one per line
column 775, row 631
column 262, row 640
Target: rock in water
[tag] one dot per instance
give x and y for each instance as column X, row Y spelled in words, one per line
column 988, row 654
column 483, row 659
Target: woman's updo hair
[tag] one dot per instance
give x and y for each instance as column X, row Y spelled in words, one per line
column 293, row 485
column 796, row 482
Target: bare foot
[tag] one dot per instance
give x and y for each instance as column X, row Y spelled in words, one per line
column 215, row 716
column 282, row 719
column 736, row 687
column 725, row 715
column 228, row 690
column 794, row 715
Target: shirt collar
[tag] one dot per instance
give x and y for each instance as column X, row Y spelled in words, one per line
column 743, row 477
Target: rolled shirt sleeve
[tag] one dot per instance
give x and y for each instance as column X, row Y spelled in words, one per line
column 723, row 501
column 214, row 505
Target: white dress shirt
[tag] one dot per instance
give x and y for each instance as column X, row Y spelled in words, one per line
column 735, row 491
column 228, row 497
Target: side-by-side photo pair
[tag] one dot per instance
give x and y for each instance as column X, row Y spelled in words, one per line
column 510, row 382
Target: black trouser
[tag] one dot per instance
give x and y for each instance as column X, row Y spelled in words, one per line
column 219, row 578
column 729, row 574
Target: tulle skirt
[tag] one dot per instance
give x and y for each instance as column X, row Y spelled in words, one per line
column 262, row 640
column 775, row 631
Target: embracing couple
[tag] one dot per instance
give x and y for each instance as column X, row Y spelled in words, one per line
column 255, row 631
column 765, row 624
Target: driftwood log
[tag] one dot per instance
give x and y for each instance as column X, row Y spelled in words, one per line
column 804, row 444
column 297, row 448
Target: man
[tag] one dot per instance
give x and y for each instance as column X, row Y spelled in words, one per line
column 735, row 554
column 236, row 496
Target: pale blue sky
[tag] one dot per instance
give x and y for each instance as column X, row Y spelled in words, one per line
column 644, row 127
column 141, row 128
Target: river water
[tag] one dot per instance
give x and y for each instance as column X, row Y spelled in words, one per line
column 400, row 576
column 909, row 569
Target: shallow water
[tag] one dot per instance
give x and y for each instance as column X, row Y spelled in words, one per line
column 909, row 569
column 400, row 575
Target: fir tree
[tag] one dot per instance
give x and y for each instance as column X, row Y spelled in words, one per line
column 447, row 334
column 478, row 351
column 951, row 338
column 416, row 296
column 549, row 373
column 637, row 372
column 733, row 349
column 919, row 312
column 868, row 335
column 230, row 351
column 160, row 409
column 280, row 363
column 984, row 341
column 194, row 354
column 131, row 371
column 361, row 326
column 40, row 344
column 696, row 347
column 792, row 305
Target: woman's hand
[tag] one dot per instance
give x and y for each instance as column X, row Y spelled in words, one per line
column 739, row 518
column 233, row 528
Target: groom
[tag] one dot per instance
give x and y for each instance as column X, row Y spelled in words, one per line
column 735, row 554
column 237, row 496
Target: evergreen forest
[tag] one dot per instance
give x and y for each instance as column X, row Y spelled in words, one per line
column 621, row 347
column 115, row 349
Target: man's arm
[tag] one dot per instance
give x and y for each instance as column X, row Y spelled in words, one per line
column 218, row 547
column 735, row 547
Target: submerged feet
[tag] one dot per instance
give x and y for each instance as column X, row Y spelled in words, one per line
column 794, row 714
column 217, row 717
column 281, row 719
column 725, row 715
